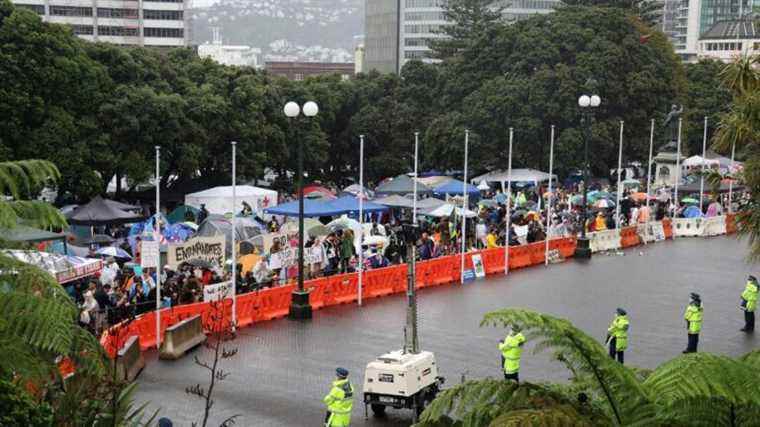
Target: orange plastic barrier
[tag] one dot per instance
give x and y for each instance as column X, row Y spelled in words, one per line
column 667, row 227
column 493, row 260
column 382, row 281
column 537, row 252
column 730, row 223
column 565, row 246
column 629, row 237
column 519, row 256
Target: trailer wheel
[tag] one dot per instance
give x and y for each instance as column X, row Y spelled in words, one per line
column 378, row 410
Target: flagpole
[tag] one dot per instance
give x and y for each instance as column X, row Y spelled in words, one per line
column 157, row 238
column 549, row 201
column 509, row 202
column 414, row 201
column 649, row 170
column 464, row 203
column 731, row 181
column 234, row 236
column 361, row 217
column 702, row 171
column 619, row 184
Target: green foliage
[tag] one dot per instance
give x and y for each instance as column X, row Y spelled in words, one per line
column 19, row 409
column 505, row 403
column 705, row 96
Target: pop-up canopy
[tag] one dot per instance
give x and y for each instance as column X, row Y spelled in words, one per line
column 64, row 268
column 218, row 200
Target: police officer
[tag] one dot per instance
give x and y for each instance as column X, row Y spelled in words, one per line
column 511, row 351
column 749, row 303
column 339, row 401
column 617, row 335
column 693, row 317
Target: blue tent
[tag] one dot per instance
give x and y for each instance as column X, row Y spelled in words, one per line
column 454, row 187
column 350, row 204
column 311, row 208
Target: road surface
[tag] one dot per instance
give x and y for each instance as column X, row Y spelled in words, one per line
column 284, row 368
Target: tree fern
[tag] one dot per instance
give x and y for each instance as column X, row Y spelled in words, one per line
column 627, row 402
column 561, row 416
column 19, row 179
column 752, row 358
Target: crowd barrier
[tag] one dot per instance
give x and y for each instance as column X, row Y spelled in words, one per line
column 129, row 361
column 604, row 240
column 181, row 337
column 268, row 304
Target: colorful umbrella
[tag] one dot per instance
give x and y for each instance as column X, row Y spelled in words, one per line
column 114, row 252
column 604, row 204
column 689, row 201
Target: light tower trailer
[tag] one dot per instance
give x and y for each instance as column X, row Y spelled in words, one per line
column 406, row 378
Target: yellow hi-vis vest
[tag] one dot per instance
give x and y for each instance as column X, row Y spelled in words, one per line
column 750, row 295
column 339, row 403
column 619, row 330
column 511, row 349
column 693, row 315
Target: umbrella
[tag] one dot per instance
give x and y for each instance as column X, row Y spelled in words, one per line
column 692, row 212
column 291, row 227
column 318, row 230
column 689, row 201
column 483, row 186
column 576, row 200
column 98, row 239
column 604, row 204
column 114, row 252
column 489, row 203
column 375, row 240
column 201, row 263
column 191, row 225
column 639, row 197
column 345, row 222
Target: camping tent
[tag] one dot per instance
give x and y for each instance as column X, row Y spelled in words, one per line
column 23, row 233
column 216, row 225
column 454, row 188
column 429, row 203
column 181, row 212
column 395, row 201
column 100, row 212
column 697, row 161
column 64, row 268
column 311, row 208
column 401, row 185
column 518, row 175
column 356, row 189
column 350, row 204
column 218, row 200
column 446, row 210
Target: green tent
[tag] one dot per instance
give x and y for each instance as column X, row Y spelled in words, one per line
column 180, row 214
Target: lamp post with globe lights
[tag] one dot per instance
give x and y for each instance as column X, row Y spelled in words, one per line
column 587, row 103
column 300, row 307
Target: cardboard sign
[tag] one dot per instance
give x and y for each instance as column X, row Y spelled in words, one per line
column 149, row 254
column 209, row 249
column 269, row 239
column 469, row 275
column 217, row 291
column 289, row 257
column 477, row 264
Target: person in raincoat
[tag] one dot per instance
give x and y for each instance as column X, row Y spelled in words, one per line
column 749, row 303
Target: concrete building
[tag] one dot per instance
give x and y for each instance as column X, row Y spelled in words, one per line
column 400, row 30
column 241, row 56
column 301, row 70
column 696, row 17
column 159, row 23
column 727, row 40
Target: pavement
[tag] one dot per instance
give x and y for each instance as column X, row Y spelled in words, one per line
column 283, row 368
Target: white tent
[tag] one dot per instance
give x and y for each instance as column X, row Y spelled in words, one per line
column 697, row 161
column 518, row 175
column 446, row 210
column 218, row 200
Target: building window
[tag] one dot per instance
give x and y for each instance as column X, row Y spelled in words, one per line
column 415, row 54
column 165, row 1
column 70, row 11
column 167, row 15
column 36, row 8
column 424, row 16
column 425, row 3
column 345, row 77
column 416, row 42
column 82, row 30
column 104, row 30
column 107, row 12
column 164, row 32
column 298, row 77
column 421, row 29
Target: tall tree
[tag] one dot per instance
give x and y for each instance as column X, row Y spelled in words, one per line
column 468, row 20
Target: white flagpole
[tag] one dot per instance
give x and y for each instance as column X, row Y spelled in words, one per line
column 464, row 202
column 157, row 236
column 416, row 152
column 702, row 171
column 619, row 183
column 549, row 201
column 234, row 236
column 361, row 216
column 649, row 170
column 509, row 202
column 678, row 168
column 731, row 181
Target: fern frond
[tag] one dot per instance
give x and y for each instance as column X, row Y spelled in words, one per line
column 557, row 416
column 19, row 178
column 44, row 324
column 31, row 212
column 626, row 400
column 752, row 358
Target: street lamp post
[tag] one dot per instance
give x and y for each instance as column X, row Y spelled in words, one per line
column 587, row 104
column 300, row 307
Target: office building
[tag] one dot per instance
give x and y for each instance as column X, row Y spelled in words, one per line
column 300, row 70
column 158, row 23
column 241, row 56
column 400, row 30
column 728, row 40
column 697, row 17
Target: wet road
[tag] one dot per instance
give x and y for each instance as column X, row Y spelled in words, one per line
column 284, row 368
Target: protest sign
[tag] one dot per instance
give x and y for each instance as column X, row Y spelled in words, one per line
column 289, row 256
column 209, row 249
column 149, row 254
column 269, row 239
column 217, row 291
column 477, row 264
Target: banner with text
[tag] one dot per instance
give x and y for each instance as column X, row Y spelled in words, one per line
column 289, row 256
column 217, row 291
column 209, row 249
